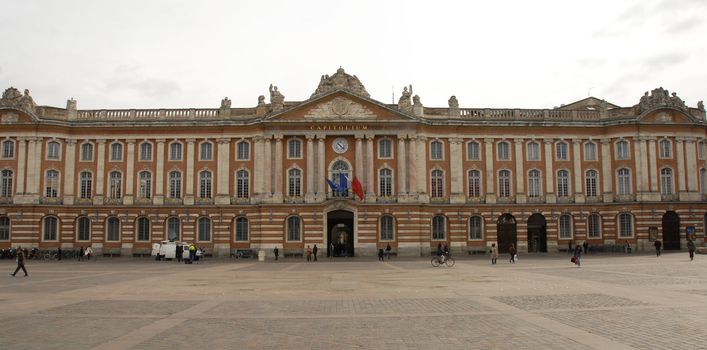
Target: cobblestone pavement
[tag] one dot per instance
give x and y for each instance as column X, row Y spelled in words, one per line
column 542, row 302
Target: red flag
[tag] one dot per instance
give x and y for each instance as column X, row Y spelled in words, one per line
column 357, row 187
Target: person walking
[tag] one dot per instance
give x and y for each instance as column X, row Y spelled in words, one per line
column 388, row 250
column 88, row 253
column 276, row 252
column 20, row 263
column 81, row 252
column 585, row 245
column 380, row 254
column 691, row 248
column 512, row 252
column 192, row 253
column 331, row 250
column 494, row 253
column 58, row 254
column 309, row 253
column 577, row 254
column 179, row 252
column 658, row 244
column 314, row 252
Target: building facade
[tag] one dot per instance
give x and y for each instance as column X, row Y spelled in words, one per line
column 255, row 177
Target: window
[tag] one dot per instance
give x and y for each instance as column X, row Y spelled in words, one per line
column 205, row 184
column 625, row 226
column 145, row 151
column 6, row 190
column 565, row 226
column 438, row 228
column 563, row 181
column 206, row 151
column 116, row 152
column 204, row 229
column 175, row 184
column 243, row 150
column 504, row 183
column 475, row 228
column 116, row 182
column 53, row 150
column 561, row 151
column 86, row 179
column 437, row 183
column 533, row 151
column 293, row 228
column 386, row 228
column 51, row 184
column 666, row 181
column 623, row 183
column 145, row 184
column 50, row 228
column 504, row 152
column 385, row 182
column 591, row 183
column 241, row 229
column 175, row 151
column 113, row 229
column 83, row 229
column 436, row 152
column 294, row 149
column 385, row 148
column 474, row 180
column 473, row 150
column 622, row 151
column 294, row 183
column 4, row 228
column 666, row 149
column 173, row 229
column 86, row 152
column 8, row 149
column 534, row 183
column 242, row 184
column 337, row 169
column 594, row 226
column 590, row 151
column 143, row 229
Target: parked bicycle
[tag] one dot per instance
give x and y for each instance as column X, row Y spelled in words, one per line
column 442, row 260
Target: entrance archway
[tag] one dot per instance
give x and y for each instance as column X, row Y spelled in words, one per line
column 340, row 233
column 506, row 232
column 537, row 233
column 671, row 231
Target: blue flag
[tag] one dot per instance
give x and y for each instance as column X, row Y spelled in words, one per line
column 333, row 186
column 343, row 182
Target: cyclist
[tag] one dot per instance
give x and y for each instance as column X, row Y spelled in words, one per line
column 442, row 253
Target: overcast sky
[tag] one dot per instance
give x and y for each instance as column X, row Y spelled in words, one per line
column 524, row 54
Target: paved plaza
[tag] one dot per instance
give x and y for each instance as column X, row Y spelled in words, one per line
column 542, row 302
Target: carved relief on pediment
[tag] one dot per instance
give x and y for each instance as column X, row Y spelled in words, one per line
column 340, row 108
column 10, row 118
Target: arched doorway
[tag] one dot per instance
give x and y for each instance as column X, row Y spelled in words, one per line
column 671, row 231
column 340, row 233
column 537, row 233
column 506, row 232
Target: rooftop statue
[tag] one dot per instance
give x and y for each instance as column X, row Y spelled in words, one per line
column 453, row 103
column 701, row 106
column 277, row 100
column 416, row 101
column 225, row 103
column 404, row 103
column 13, row 98
column 340, row 80
column 659, row 98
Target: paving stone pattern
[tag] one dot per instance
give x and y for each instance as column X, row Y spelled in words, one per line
column 571, row 301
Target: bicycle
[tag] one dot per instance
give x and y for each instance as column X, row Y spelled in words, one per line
column 439, row 260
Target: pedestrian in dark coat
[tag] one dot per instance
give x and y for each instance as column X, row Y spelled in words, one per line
column 512, row 252
column 81, row 254
column 691, row 248
column 179, row 251
column 380, row 254
column 388, row 250
column 585, row 245
column 314, row 251
column 20, row 263
column 577, row 254
column 658, row 244
column 276, row 252
column 58, row 253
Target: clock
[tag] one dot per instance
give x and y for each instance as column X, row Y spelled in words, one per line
column 340, row 145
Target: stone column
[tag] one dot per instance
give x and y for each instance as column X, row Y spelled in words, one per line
column 258, row 165
column 421, row 157
column 370, row 172
column 358, row 167
column 321, row 171
column 129, row 173
column 159, row 174
column 607, row 171
column 401, row 164
column 644, row 179
column 490, row 175
column 34, row 157
column 223, row 179
column 267, row 168
column 69, row 172
column 680, row 177
column 639, row 168
column 277, row 195
column 579, row 194
column 550, row 196
column 521, row 196
column 653, row 165
column 309, row 194
column 456, row 171
column 21, row 167
column 189, row 182
column 100, row 170
column 412, row 169
column 692, row 169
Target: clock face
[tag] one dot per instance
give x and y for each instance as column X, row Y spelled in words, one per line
column 340, row 145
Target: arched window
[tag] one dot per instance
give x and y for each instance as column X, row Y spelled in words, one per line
column 243, row 150
column 143, row 229
column 386, row 228
column 294, row 149
column 563, row 181
column 294, row 229
column 242, row 184
column 204, row 229
column 622, row 150
column 475, row 228
column 590, row 151
column 473, row 150
column 503, row 150
column 116, row 151
column 436, row 150
column 437, row 184
column 623, row 183
column 86, row 184
column 591, row 183
column 53, row 150
column 337, row 169
column 116, row 183
column 175, row 151
column 666, row 181
column 113, row 229
column 565, row 226
column 594, row 226
column 561, row 151
column 534, row 183
column 175, row 184
column 241, row 229
column 205, row 184
column 8, row 149
column 145, row 184
column 385, row 182
column 666, row 149
column 438, row 227
column 51, row 225
column 385, row 148
column 86, row 152
column 474, row 180
column 206, row 151
column 4, row 228
column 294, row 183
column 83, row 229
column 533, row 150
column 146, row 151
column 504, row 183
column 173, row 229
column 6, row 186
column 625, row 225
column 51, row 184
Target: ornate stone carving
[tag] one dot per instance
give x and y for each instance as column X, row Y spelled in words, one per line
column 416, row 101
column 404, row 103
column 340, row 80
column 659, row 98
column 453, row 103
column 340, row 107
column 226, row 103
column 277, row 100
column 261, row 100
column 701, row 106
column 13, row 98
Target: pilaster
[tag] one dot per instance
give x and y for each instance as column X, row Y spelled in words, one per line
column 456, row 172
column 520, row 172
column 69, row 172
column 258, row 165
column 401, row 163
column 159, row 174
column 189, row 183
column 579, row 190
column 223, row 178
column 128, row 199
column 692, row 169
column 309, row 194
column 550, row 196
column 100, row 171
column 490, row 171
column 370, row 184
column 421, row 150
column 277, row 195
column 21, row 167
column 321, row 172
column 607, row 171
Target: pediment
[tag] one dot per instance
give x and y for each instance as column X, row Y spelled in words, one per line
column 13, row 116
column 666, row 115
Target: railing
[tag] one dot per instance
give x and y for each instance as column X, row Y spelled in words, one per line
column 148, row 114
column 528, row 114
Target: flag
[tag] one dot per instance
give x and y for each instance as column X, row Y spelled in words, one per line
column 334, row 187
column 343, row 182
column 357, row 188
